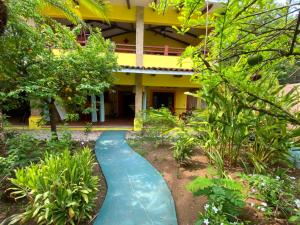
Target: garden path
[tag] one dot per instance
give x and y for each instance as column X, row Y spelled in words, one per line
column 137, row 194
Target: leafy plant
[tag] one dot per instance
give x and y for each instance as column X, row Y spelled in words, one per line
column 156, row 122
column 183, row 146
column 278, row 193
column 60, row 189
column 224, row 199
column 25, row 148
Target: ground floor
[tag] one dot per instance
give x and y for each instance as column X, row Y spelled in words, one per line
column 120, row 105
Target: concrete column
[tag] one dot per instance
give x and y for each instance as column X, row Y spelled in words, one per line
column 139, row 58
column 102, row 109
column 145, row 100
column 139, row 35
column 94, row 109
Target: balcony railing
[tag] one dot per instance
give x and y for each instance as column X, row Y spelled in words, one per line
column 151, row 50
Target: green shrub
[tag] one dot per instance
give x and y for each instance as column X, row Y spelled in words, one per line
column 26, row 148
column 54, row 146
column 224, row 199
column 156, row 122
column 60, row 189
column 277, row 193
column 183, row 145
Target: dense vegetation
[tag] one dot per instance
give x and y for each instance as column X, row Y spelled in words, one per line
column 249, row 121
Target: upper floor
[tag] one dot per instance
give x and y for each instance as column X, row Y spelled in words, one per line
column 160, row 44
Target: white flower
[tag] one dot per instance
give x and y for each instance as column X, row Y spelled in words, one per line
column 264, row 204
column 297, row 202
column 253, row 190
column 205, row 221
column 82, row 143
column 222, row 224
column 293, row 178
column 215, row 209
column 206, row 207
column 277, row 178
column 263, row 184
column 252, row 204
column 263, row 209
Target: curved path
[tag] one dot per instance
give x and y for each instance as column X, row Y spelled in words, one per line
column 137, row 194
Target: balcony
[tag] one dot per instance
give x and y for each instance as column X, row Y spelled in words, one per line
column 150, row 50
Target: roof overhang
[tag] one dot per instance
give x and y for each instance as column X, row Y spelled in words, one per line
column 156, row 71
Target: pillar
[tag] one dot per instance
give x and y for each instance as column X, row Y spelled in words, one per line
column 35, row 115
column 139, row 63
column 145, row 100
column 102, row 109
column 94, row 109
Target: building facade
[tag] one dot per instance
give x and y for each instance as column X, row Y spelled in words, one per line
column 148, row 51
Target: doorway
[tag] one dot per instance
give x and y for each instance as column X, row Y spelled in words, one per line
column 126, row 104
column 163, row 99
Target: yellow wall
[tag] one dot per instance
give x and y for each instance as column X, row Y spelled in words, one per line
column 120, row 13
column 129, row 59
column 167, row 81
column 124, row 79
column 126, row 59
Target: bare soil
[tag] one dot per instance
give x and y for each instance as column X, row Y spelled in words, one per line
column 178, row 176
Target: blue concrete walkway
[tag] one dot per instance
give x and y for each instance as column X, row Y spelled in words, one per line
column 137, row 194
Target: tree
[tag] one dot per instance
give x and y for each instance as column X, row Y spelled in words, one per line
column 40, row 57
column 238, row 64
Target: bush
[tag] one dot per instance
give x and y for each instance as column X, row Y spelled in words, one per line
column 224, row 200
column 25, row 148
column 277, row 193
column 60, row 189
column 183, row 145
column 157, row 122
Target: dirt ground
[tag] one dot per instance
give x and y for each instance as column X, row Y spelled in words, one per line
column 187, row 206
column 177, row 177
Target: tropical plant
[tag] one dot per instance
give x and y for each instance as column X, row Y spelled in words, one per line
column 60, row 189
column 238, row 66
column 225, row 199
column 156, row 123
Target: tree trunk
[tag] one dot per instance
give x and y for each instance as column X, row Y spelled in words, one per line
column 53, row 119
column 2, row 135
column 3, row 16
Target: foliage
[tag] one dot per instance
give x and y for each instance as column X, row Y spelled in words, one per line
column 41, row 60
column 156, row 122
column 25, row 148
column 54, row 146
column 277, row 192
column 182, row 142
column 60, row 189
column 224, row 199
column 238, row 65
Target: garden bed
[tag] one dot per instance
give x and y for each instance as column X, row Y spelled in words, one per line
column 178, row 176
column 8, row 206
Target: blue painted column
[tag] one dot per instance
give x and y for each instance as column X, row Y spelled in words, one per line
column 145, row 100
column 102, row 109
column 94, row 109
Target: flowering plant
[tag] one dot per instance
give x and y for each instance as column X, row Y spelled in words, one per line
column 276, row 192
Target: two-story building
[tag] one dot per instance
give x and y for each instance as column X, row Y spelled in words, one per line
column 148, row 51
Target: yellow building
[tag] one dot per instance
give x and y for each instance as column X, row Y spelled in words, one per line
column 148, row 50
